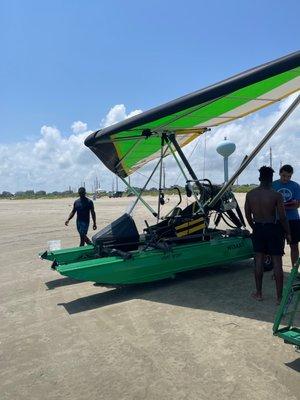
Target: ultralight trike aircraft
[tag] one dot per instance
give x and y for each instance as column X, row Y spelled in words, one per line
column 187, row 237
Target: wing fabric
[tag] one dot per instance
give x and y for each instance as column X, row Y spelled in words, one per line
column 128, row 145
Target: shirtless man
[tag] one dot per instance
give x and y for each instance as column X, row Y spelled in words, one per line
column 265, row 214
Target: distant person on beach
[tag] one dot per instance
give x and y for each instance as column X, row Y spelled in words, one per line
column 290, row 191
column 83, row 206
column 265, row 214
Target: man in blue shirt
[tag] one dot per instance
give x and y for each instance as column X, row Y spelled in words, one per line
column 83, row 206
column 290, row 191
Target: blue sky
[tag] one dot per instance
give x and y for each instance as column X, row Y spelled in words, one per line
column 66, row 61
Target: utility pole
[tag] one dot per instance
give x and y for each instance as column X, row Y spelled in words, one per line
column 271, row 160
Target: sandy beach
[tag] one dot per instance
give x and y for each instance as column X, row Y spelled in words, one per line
column 199, row 336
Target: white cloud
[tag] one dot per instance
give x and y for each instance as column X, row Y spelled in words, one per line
column 78, row 127
column 51, row 163
column 56, row 161
column 117, row 114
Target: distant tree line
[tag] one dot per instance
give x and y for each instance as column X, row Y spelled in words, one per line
column 244, row 188
column 31, row 194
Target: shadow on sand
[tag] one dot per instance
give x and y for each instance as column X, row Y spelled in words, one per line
column 295, row 365
column 61, row 282
column 224, row 289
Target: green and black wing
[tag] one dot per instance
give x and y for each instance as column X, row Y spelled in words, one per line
column 128, row 145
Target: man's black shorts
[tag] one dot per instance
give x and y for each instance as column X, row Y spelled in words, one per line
column 268, row 238
column 295, row 230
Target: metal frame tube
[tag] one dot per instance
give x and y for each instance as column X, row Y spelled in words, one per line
column 247, row 161
column 177, row 161
column 183, row 173
column 139, row 197
column 160, row 177
column 185, row 161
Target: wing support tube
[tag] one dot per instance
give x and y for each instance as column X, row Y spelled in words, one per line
column 185, row 161
column 247, row 161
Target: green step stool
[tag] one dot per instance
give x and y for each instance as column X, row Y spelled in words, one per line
column 288, row 308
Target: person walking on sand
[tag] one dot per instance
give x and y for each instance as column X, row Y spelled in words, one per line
column 83, row 206
column 265, row 213
column 290, row 191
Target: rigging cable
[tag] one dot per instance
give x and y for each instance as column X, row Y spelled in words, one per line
column 145, row 176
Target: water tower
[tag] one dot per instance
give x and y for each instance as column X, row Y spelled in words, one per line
column 226, row 148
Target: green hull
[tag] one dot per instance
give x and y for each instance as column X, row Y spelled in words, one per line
column 149, row 265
